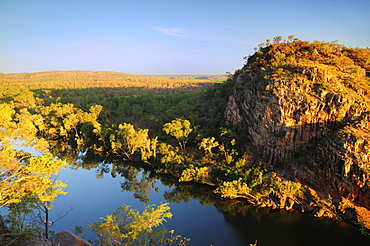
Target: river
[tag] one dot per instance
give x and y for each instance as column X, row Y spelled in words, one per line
column 197, row 213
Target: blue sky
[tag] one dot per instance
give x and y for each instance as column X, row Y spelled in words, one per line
column 165, row 36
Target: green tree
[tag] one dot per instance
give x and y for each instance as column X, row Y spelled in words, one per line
column 180, row 129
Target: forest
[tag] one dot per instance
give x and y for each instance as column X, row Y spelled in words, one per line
column 60, row 114
column 174, row 125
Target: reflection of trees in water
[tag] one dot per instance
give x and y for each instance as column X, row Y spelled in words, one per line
column 140, row 180
column 140, row 187
column 185, row 192
column 64, row 151
column 249, row 222
column 77, row 156
column 137, row 179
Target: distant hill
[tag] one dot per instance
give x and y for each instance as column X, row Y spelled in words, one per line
column 117, row 82
column 107, row 75
column 71, row 75
column 219, row 77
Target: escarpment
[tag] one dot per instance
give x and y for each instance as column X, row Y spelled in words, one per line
column 305, row 107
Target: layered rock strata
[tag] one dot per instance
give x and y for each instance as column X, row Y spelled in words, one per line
column 307, row 115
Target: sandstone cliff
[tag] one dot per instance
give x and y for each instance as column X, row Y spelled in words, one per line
column 305, row 107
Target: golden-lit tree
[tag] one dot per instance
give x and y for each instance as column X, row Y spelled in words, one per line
column 127, row 226
column 277, row 39
column 128, row 140
column 25, row 177
column 180, row 129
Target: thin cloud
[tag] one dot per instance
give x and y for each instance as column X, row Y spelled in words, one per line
column 176, row 32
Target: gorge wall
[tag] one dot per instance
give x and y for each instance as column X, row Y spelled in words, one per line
column 305, row 107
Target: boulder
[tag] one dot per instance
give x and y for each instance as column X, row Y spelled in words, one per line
column 66, row 238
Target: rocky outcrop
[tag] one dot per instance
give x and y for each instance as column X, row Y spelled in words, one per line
column 284, row 121
column 309, row 114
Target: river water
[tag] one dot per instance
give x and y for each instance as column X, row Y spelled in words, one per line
column 197, row 213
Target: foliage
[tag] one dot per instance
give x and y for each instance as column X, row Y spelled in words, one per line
column 326, row 205
column 169, row 154
column 363, row 229
column 17, row 220
column 208, row 144
column 144, row 101
column 224, row 155
column 257, row 185
column 286, row 188
column 233, row 189
column 127, row 140
column 198, row 174
column 180, row 129
column 27, row 181
column 127, row 226
column 78, row 230
column 222, row 173
column 25, row 177
column 31, row 181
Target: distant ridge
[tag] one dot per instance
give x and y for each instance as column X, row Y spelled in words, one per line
column 76, row 74
column 73, row 75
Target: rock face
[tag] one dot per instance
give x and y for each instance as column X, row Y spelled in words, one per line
column 305, row 106
column 66, row 238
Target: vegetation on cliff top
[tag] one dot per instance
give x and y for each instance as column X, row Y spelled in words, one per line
column 312, row 66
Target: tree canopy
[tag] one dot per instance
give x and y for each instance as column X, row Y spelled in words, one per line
column 180, row 129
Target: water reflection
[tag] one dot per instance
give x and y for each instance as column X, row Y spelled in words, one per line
column 198, row 212
column 277, row 228
column 270, row 227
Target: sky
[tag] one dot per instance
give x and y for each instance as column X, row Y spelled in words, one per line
column 165, row 36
